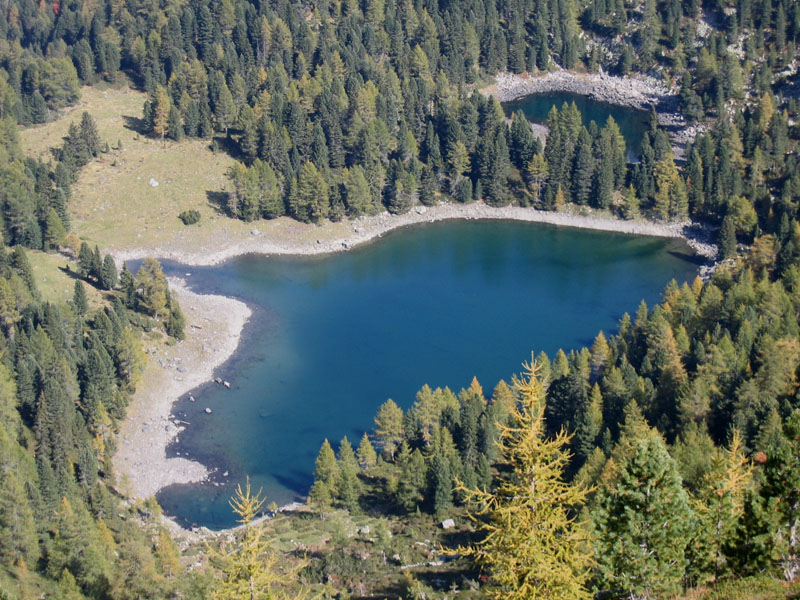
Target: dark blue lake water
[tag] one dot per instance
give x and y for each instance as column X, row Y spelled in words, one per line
column 333, row 337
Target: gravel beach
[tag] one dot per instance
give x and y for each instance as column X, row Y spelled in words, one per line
column 214, row 325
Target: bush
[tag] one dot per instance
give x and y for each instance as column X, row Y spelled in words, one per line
column 189, row 217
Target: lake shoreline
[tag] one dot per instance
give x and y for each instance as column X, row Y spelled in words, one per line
column 215, row 325
column 369, row 228
column 643, row 93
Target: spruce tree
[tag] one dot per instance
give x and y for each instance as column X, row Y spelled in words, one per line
column 348, row 485
column 79, row 300
column 108, row 274
column 642, row 519
column 727, row 238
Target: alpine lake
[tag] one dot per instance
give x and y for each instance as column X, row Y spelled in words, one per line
column 332, row 337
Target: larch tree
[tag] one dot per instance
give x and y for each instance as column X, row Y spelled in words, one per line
column 326, row 476
column 534, row 547
column 367, row 457
column 248, row 570
column 719, row 506
column 389, row 427
column 309, row 200
column 151, row 286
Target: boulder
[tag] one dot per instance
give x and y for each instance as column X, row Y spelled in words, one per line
column 448, row 524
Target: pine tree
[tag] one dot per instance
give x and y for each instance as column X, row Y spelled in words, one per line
column 224, row 109
column 533, row 547
column 176, row 320
column 583, row 170
column 128, row 286
column 174, row 125
column 589, row 425
column 54, row 233
column 85, row 260
column 89, row 135
column 348, row 485
column 642, row 520
column 441, row 485
column 108, row 274
column 79, row 300
column 727, row 238
column 412, row 479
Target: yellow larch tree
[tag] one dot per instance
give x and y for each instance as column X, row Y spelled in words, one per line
column 534, row 547
column 248, row 569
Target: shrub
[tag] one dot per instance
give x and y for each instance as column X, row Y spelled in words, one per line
column 189, row 217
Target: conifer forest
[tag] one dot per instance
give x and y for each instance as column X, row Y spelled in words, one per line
column 660, row 461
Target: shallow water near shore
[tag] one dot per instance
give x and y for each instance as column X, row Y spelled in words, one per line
column 332, row 337
column 633, row 123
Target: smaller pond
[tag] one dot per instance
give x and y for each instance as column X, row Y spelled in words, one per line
column 632, row 122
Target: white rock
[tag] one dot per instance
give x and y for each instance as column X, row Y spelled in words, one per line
column 153, row 182
column 208, row 411
column 448, row 524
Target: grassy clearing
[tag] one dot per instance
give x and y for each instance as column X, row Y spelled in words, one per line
column 54, row 280
column 761, row 587
column 114, row 205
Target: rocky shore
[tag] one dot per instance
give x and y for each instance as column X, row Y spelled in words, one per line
column 644, row 93
column 366, row 229
column 214, row 326
column 640, row 92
